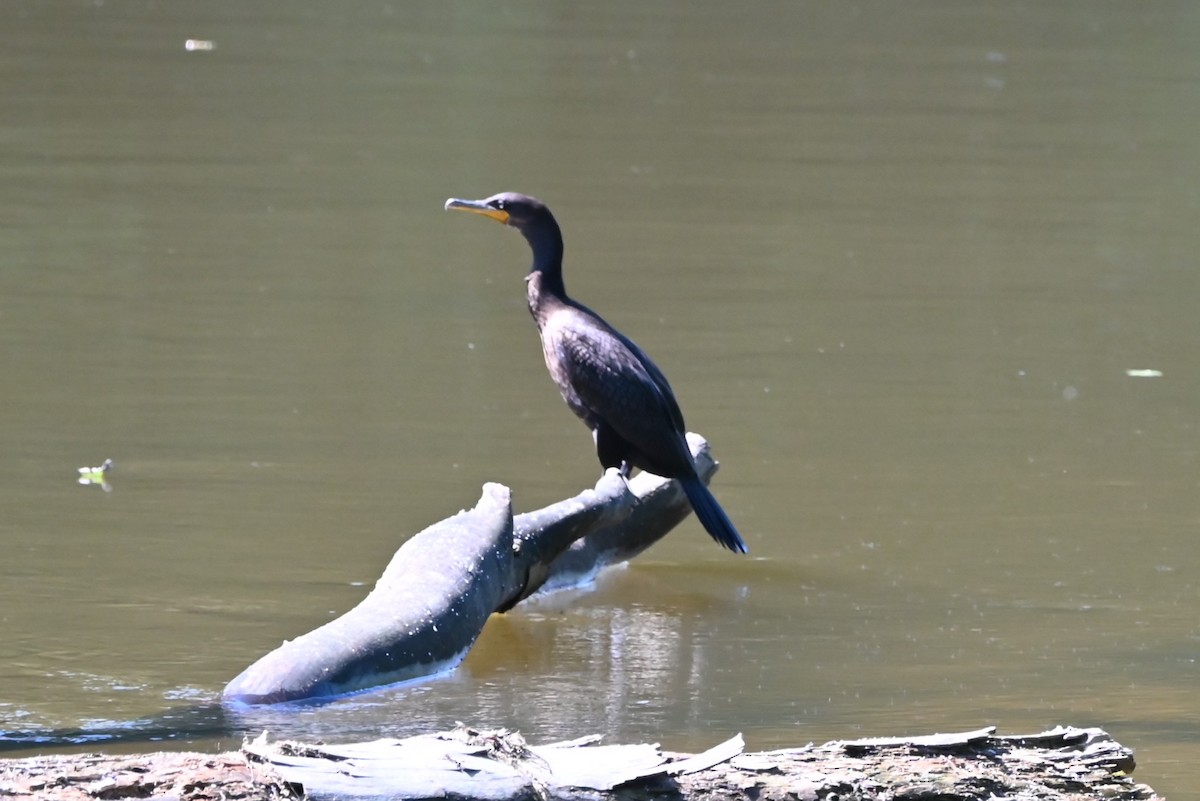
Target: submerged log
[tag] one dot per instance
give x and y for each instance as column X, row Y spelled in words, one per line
column 432, row 600
column 456, row 570
column 1065, row 764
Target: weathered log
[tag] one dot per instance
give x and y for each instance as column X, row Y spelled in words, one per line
column 431, row 602
column 661, row 505
column 454, row 569
column 175, row 776
column 433, row 598
column 1065, row 764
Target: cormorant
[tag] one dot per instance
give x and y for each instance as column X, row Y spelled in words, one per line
column 609, row 383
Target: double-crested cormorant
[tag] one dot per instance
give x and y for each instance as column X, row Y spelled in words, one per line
column 609, row 383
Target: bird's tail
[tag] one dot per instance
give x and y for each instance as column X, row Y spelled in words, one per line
column 712, row 516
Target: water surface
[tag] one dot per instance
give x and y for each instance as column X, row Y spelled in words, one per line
column 896, row 259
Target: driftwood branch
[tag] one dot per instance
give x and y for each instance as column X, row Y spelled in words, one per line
column 432, row 600
column 1065, row 764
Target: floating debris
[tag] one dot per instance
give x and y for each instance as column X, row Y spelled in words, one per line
column 199, row 44
column 97, row 476
column 1144, row 373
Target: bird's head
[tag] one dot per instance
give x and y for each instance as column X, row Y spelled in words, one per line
column 511, row 208
column 535, row 222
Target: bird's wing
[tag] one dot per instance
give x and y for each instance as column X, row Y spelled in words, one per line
column 617, row 382
column 660, row 381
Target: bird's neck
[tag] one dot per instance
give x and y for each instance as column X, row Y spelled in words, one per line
column 545, row 282
column 544, row 294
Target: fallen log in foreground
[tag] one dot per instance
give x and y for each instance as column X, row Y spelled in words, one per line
column 432, row 600
column 1065, row 764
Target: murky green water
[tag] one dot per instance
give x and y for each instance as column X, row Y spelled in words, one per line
column 897, row 260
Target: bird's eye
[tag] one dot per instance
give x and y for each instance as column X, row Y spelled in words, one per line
column 500, row 205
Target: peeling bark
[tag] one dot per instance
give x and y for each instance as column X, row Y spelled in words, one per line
column 1065, row 764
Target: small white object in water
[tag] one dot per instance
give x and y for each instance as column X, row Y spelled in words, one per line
column 97, row 475
column 1144, row 373
column 198, row 44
